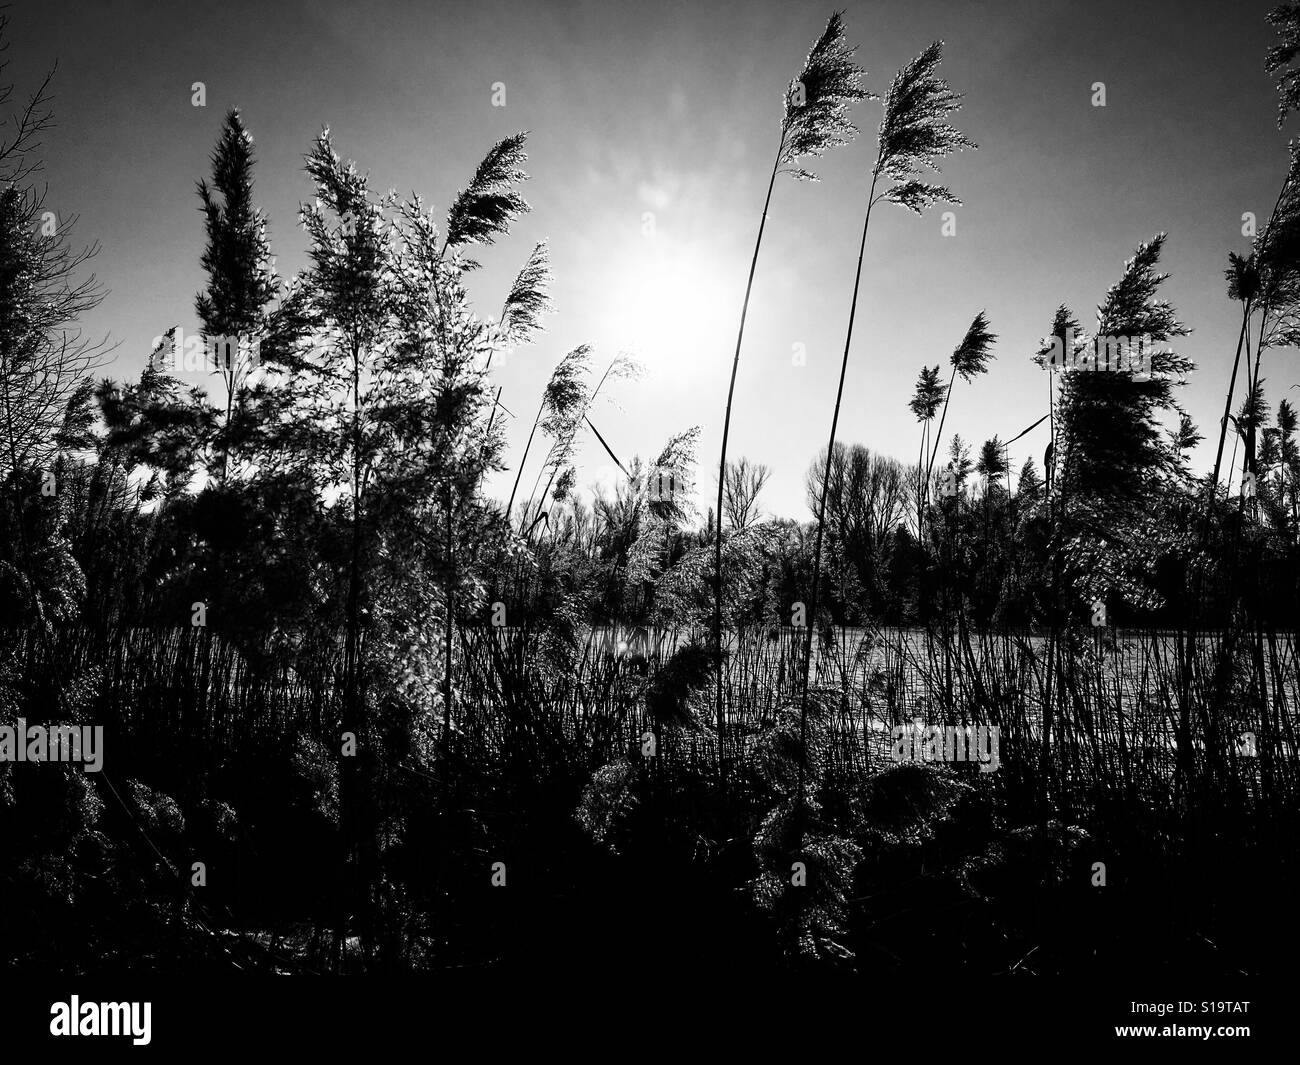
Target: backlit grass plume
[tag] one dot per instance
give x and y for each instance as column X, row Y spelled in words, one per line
column 563, row 425
column 1286, row 423
column 817, row 102
column 562, row 399
column 1065, row 327
column 486, row 207
column 992, row 462
column 1110, row 423
column 528, row 299
column 925, row 401
column 1244, row 286
column 915, row 133
column 1249, row 423
column 971, row 356
column 1276, row 257
column 929, row 394
column 521, row 314
column 567, row 391
column 678, row 456
column 566, row 406
column 969, row 359
column 815, row 120
column 1285, row 18
column 658, row 515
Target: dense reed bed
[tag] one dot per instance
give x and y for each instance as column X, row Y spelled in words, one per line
column 546, row 771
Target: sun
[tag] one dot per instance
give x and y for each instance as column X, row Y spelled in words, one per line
column 671, row 309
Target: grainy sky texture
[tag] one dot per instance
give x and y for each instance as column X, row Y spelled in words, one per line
column 673, row 109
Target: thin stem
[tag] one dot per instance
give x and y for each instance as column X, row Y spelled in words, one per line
column 527, row 446
column 821, row 508
column 562, row 445
column 1223, row 424
column 722, row 460
column 934, row 450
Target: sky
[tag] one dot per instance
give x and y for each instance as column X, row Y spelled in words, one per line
column 652, row 127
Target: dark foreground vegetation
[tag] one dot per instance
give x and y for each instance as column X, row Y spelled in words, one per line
column 403, row 726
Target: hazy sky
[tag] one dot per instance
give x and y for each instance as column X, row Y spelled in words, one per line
column 673, row 109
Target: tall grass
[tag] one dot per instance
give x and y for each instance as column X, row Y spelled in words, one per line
column 815, row 119
column 914, row 134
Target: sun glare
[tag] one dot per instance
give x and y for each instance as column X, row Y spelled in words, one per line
column 671, row 308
